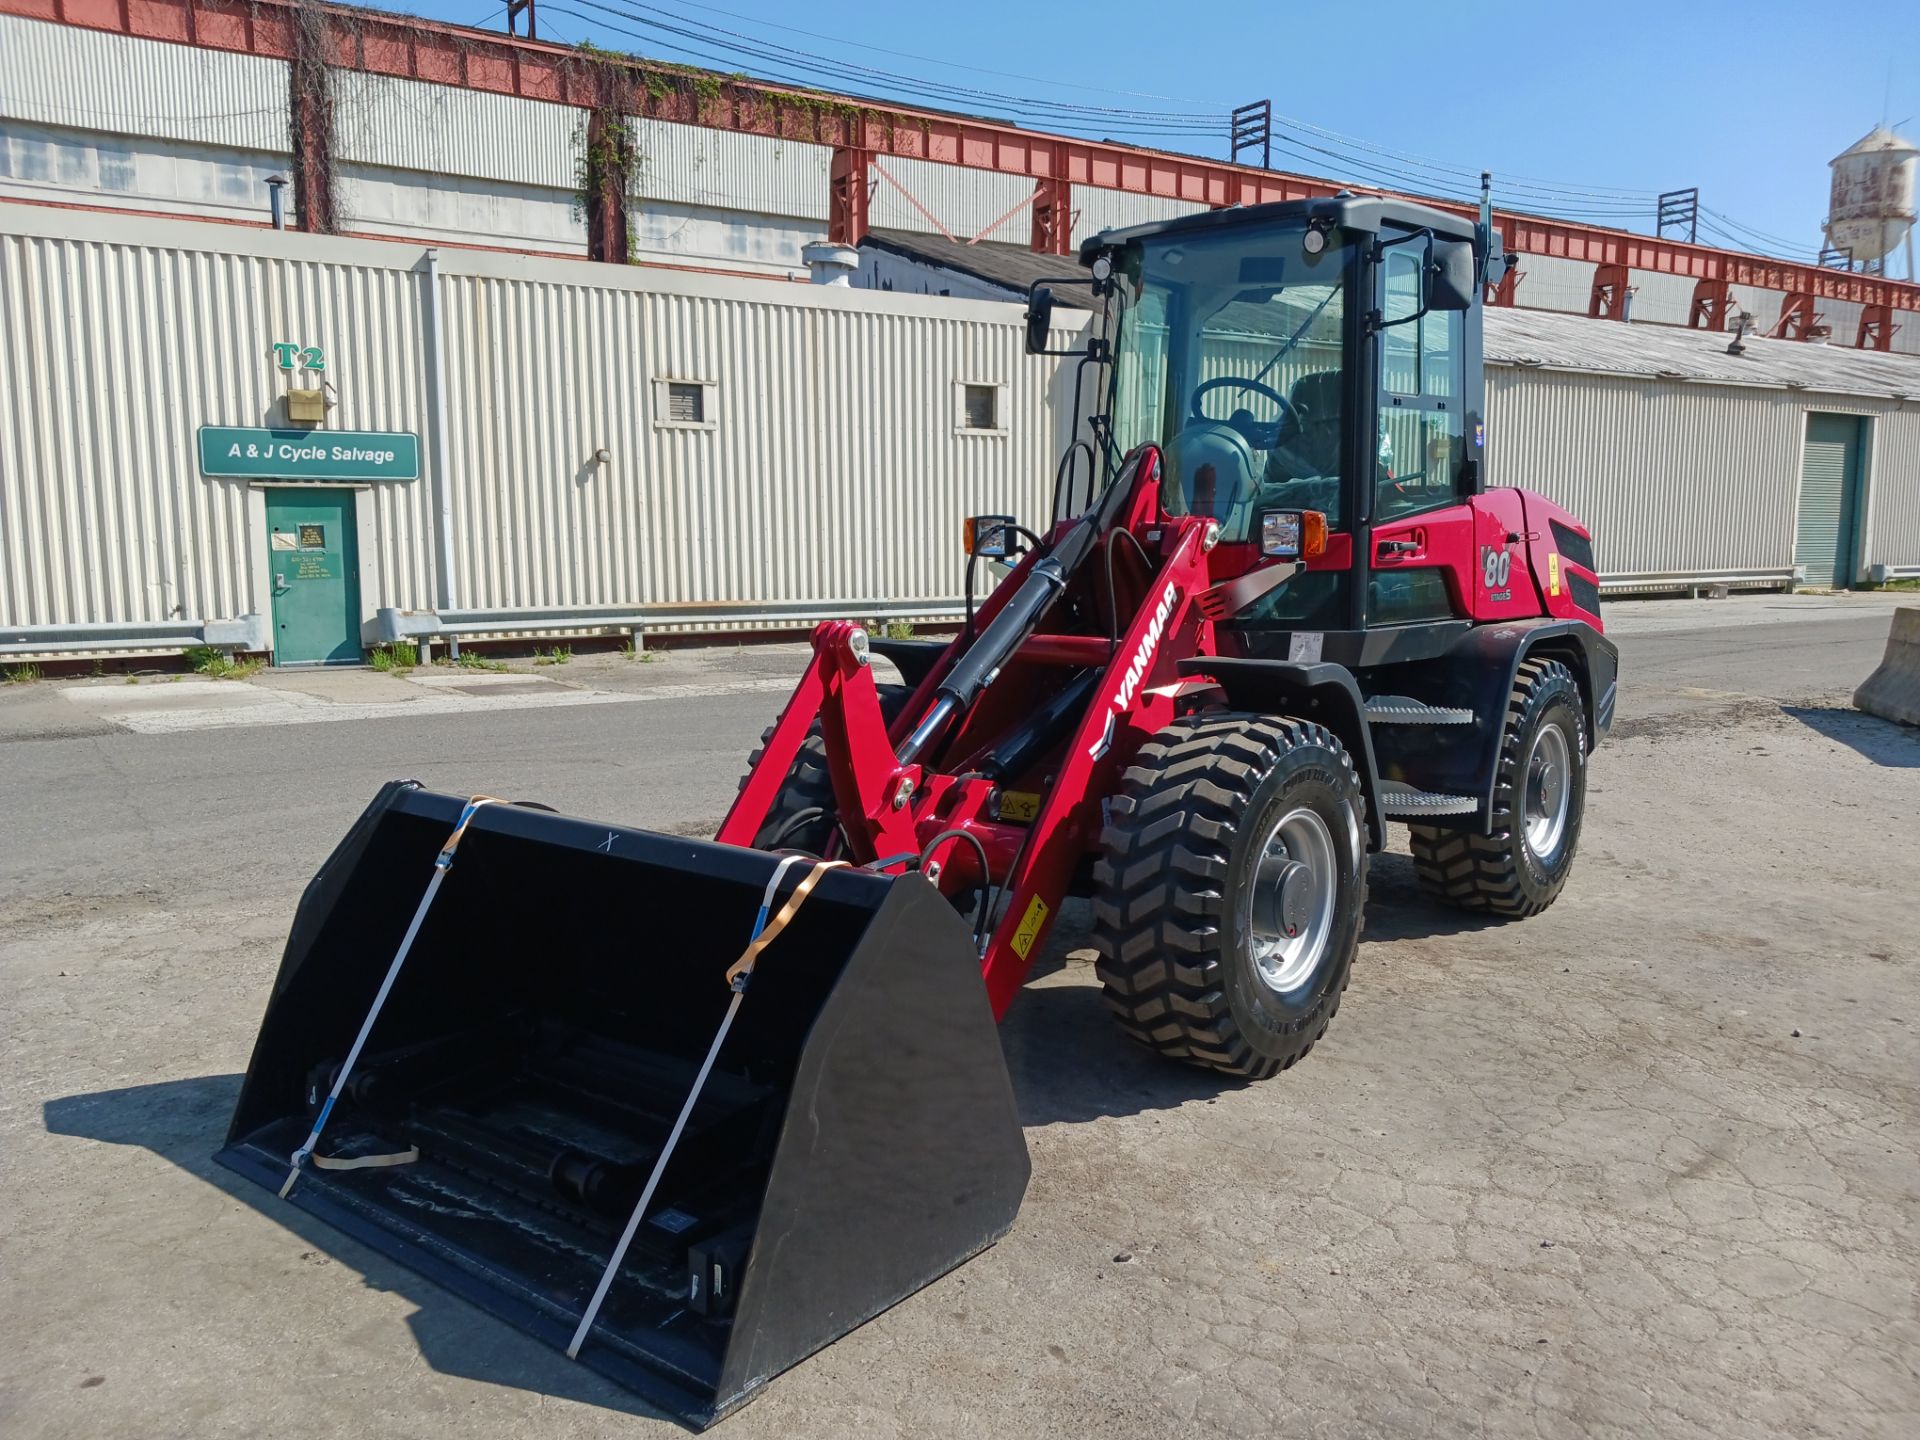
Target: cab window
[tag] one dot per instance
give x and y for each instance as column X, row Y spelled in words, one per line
column 1422, row 432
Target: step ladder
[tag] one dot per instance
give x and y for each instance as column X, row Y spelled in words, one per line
column 1401, row 710
column 1403, row 802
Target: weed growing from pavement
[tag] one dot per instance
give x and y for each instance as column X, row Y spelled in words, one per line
column 402, row 655
column 558, row 655
column 897, row 630
column 22, row 674
column 470, row 660
column 219, row 665
column 635, row 655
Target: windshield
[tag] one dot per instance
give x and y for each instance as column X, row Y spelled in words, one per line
column 1230, row 359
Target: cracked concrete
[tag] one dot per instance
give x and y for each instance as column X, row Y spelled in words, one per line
column 1644, row 1165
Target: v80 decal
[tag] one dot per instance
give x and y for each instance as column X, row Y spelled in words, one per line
column 1496, row 566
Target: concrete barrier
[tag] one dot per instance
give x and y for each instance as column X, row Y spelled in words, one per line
column 1893, row 691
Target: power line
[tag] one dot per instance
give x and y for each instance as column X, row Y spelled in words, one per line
column 865, row 75
column 934, row 60
column 1375, row 166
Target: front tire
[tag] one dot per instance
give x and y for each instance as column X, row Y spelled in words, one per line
column 1230, row 891
column 804, row 813
column 1539, row 802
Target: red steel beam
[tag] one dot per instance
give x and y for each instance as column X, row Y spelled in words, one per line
column 402, row 46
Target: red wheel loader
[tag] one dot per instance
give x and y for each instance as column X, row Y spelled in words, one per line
column 723, row 1102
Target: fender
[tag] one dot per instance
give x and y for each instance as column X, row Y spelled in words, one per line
column 1322, row 692
column 1478, row 673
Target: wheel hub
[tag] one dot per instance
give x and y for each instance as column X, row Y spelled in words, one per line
column 1292, row 901
column 1548, row 795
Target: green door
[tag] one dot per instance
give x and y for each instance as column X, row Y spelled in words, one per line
column 1829, row 499
column 313, row 557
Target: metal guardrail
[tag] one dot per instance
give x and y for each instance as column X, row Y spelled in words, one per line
column 1658, row 582
column 249, row 632
column 469, row 623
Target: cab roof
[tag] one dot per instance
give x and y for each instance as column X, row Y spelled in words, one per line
column 1348, row 211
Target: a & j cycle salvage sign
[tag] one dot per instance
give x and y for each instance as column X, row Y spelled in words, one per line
column 309, row 454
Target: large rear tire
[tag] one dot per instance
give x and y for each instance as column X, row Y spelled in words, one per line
column 1230, row 891
column 1539, row 801
column 804, row 812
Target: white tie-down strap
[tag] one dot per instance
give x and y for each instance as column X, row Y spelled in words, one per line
column 442, row 863
column 737, row 976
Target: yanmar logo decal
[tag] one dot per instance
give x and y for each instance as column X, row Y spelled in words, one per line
column 1136, row 670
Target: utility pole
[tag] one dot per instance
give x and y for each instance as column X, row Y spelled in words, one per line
column 1681, row 210
column 1253, row 130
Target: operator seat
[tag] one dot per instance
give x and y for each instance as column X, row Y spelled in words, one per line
column 1303, row 468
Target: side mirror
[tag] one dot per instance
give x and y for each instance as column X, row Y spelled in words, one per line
column 1039, row 319
column 1450, row 275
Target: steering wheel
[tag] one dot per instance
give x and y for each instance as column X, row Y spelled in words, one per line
column 1260, row 435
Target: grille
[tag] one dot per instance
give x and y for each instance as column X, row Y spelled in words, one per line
column 1585, row 593
column 1572, row 544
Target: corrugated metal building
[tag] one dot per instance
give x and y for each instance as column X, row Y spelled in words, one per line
column 609, row 447
column 638, row 448
column 194, row 130
column 1692, row 462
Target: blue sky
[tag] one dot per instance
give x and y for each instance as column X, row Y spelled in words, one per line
column 1593, row 108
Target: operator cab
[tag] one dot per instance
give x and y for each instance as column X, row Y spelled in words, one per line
column 1313, row 355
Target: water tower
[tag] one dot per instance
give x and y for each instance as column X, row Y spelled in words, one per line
column 1871, row 209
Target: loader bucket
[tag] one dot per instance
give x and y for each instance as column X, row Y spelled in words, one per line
column 855, row 1140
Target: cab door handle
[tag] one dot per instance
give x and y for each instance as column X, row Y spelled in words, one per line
column 1399, row 547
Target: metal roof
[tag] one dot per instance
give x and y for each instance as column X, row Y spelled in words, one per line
column 1547, row 340
column 1014, row 267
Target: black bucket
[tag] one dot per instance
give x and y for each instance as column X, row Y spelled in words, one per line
column 857, row 1137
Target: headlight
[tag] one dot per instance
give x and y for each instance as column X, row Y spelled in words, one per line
column 1293, row 534
column 1280, row 534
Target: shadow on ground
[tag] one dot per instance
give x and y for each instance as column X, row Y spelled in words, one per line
column 1881, row 741
column 185, row 1121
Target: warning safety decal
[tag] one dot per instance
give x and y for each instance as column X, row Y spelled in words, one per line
column 1030, row 924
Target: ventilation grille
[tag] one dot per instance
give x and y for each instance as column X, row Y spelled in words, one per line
column 1572, row 544
column 686, row 403
column 981, row 407
column 1584, row 592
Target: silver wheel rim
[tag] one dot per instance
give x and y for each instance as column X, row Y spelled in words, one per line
column 1291, row 902
column 1549, row 796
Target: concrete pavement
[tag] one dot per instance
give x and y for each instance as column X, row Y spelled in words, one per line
column 1640, row 1166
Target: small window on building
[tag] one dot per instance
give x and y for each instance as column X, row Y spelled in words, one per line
column 683, row 404
column 686, row 403
column 980, row 407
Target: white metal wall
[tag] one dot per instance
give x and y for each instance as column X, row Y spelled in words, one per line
column 119, row 352
column 444, row 130
column 830, row 468
column 1893, row 487
column 728, row 171
column 51, row 74
column 1686, row 478
column 834, row 467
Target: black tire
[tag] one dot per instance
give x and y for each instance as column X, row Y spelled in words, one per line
column 1172, row 914
column 804, row 813
column 1502, row 874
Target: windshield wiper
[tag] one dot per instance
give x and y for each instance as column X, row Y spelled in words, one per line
column 1294, row 339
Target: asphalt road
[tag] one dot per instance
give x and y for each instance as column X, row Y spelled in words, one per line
column 94, row 810
column 1643, row 1165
